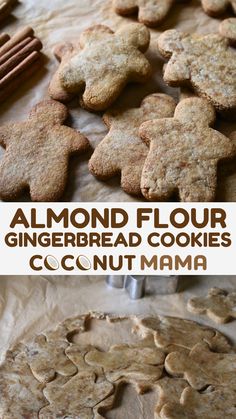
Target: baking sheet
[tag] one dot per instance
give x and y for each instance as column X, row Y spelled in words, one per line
column 30, row 305
column 59, row 20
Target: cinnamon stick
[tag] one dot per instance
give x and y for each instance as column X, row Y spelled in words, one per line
column 4, row 38
column 16, row 39
column 34, row 45
column 18, row 81
column 19, row 69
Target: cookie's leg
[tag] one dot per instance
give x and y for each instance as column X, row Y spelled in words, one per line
column 99, row 94
column 215, row 7
column 151, row 14
column 49, row 184
column 199, row 183
column 154, row 184
column 125, row 7
column 12, row 183
column 131, row 178
column 57, row 91
column 103, row 163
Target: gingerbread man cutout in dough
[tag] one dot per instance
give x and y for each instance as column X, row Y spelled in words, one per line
column 122, row 150
column 150, row 12
column 205, row 63
column 37, row 153
column 101, row 64
column 184, row 152
column 219, row 403
column 202, row 367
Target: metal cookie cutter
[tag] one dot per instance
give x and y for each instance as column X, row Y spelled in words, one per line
column 137, row 286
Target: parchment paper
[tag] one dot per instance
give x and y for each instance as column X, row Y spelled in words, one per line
column 59, row 20
column 30, row 305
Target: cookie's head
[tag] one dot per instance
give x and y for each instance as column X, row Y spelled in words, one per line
column 94, row 34
column 136, row 34
column 49, row 112
column 158, row 105
column 195, row 110
column 169, row 42
column 64, row 50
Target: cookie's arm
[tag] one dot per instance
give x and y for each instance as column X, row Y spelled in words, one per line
column 5, row 134
column 139, row 68
column 73, row 140
column 177, row 70
column 150, row 130
column 222, row 147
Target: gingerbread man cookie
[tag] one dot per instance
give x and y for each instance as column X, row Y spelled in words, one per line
column 210, row 405
column 219, row 305
column 217, row 7
column 206, row 63
column 150, row 12
column 37, row 153
column 202, row 367
column 101, row 64
column 122, row 150
column 184, row 152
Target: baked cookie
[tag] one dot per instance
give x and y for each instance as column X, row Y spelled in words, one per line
column 205, row 62
column 202, row 367
column 101, row 64
column 219, row 305
column 211, row 405
column 150, row 12
column 37, row 153
column 122, row 151
column 227, row 29
column 218, row 7
column 184, row 153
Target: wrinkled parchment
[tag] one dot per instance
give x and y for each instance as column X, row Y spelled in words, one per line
column 59, row 20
